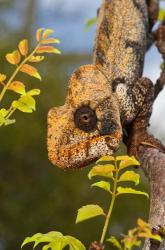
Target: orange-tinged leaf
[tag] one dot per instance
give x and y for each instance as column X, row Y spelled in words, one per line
column 47, row 32
column 30, row 70
column 48, row 49
column 14, row 57
column 2, row 77
column 17, row 87
column 141, row 223
column 36, row 59
column 39, row 34
column 50, row 40
column 23, row 47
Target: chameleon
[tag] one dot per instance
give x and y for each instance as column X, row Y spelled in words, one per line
column 110, row 95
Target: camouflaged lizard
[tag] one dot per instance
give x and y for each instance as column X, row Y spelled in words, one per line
column 109, row 95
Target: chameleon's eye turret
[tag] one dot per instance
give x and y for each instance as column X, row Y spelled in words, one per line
column 85, row 119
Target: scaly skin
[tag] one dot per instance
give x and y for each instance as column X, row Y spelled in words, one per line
column 104, row 97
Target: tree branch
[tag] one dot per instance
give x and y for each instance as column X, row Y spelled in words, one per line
column 153, row 163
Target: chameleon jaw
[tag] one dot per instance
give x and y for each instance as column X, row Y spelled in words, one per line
column 82, row 154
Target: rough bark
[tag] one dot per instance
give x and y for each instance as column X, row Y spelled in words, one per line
column 153, row 163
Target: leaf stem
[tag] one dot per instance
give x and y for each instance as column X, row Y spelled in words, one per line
column 108, row 217
column 16, row 72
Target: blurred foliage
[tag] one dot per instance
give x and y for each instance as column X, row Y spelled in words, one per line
column 22, row 60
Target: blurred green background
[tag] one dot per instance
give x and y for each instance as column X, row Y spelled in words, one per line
column 36, row 196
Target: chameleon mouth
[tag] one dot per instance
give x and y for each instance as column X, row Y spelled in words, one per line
column 82, row 154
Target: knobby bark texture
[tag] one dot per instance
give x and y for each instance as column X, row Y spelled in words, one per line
column 153, row 163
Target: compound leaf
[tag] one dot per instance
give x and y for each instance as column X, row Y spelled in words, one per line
column 23, row 47
column 36, row 58
column 102, row 170
column 88, row 212
column 105, row 158
column 25, row 104
column 115, row 242
column 47, row 32
column 103, row 185
column 14, row 57
column 127, row 161
column 48, row 49
column 30, row 70
column 130, row 176
column 17, row 87
column 126, row 190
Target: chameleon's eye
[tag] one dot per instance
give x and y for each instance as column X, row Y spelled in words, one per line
column 85, row 119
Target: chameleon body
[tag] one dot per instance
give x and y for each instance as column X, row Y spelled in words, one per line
column 109, row 94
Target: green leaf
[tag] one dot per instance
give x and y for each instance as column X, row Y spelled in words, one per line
column 2, row 119
column 161, row 15
column 9, row 121
column 88, row 212
column 25, row 104
column 127, row 161
column 31, row 239
column 102, row 170
column 89, row 23
column 73, row 243
column 54, row 241
column 3, row 112
column 126, row 190
column 103, row 185
column 115, row 242
column 105, row 158
column 41, row 238
column 130, row 176
column 34, row 92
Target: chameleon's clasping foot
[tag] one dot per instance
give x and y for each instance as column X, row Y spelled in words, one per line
column 141, row 137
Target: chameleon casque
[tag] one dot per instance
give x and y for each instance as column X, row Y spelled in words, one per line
column 109, row 95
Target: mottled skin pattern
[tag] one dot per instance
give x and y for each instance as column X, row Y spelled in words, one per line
column 107, row 96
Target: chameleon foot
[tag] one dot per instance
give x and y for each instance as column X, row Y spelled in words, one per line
column 141, row 137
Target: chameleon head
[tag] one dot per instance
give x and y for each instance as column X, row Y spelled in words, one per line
column 88, row 125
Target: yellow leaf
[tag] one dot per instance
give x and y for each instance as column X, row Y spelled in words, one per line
column 50, row 40
column 14, row 57
column 2, row 77
column 47, row 32
column 130, row 176
column 89, row 211
column 126, row 190
column 23, row 47
column 25, row 104
column 141, row 223
column 17, row 87
column 127, row 161
column 30, row 70
column 102, row 170
column 39, row 34
column 106, row 158
column 48, row 49
column 36, row 59
column 102, row 184
column 33, row 92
